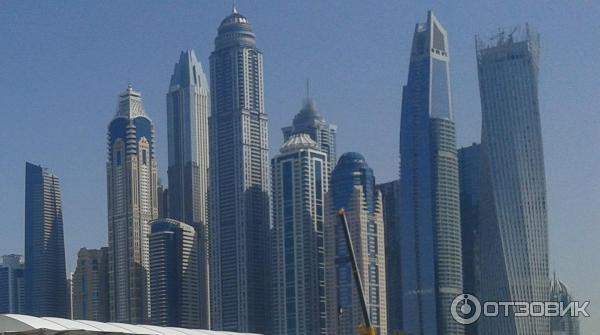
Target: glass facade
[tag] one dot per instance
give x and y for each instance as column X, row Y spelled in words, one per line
column 45, row 271
column 12, row 285
column 514, row 263
column 469, row 162
column 299, row 183
column 188, row 107
column 175, row 291
column 390, row 193
column 240, row 180
column 429, row 211
column 132, row 204
column 90, row 286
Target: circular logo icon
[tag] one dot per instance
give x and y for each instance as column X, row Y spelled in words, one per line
column 466, row 309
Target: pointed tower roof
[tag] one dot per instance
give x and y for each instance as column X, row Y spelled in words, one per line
column 308, row 114
column 130, row 104
column 188, row 72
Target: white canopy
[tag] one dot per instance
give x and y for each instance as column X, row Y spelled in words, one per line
column 31, row 325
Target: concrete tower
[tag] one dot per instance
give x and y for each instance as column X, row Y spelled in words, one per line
column 300, row 181
column 90, row 285
column 353, row 188
column 188, row 107
column 132, row 203
column 240, row 180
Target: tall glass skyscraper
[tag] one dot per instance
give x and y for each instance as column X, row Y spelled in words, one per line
column 300, row 181
column 429, row 211
column 45, row 272
column 132, row 204
column 469, row 163
column 514, row 263
column 353, row 188
column 240, row 180
column 310, row 121
column 390, row 195
column 188, row 107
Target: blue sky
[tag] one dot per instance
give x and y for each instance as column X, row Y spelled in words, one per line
column 63, row 64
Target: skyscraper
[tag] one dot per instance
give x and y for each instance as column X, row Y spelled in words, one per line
column 12, row 285
column 353, row 188
column 175, row 266
column 514, row 263
column 390, row 196
column 310, row 121
column 90, row 285
column 188, row 107
column 429, row 211
column 469, row 167
column 163, row 200
column 45, row 272
column 240, row 180
column 300, row 181
column 562, row 325
column 132, row 203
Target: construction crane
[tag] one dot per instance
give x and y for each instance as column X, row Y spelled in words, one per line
column 367, row 328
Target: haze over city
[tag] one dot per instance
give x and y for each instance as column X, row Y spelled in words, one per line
column 65, row 64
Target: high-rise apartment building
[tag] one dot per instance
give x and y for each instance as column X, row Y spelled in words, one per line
column 469, row 167
column 514, row 262
column 45, row 271
column 567, row 324
column 300, row 182
column 240, row 180
column 90, row 285
column 12, row 285
column 352, row 187
column 132, row 203
column 310, row 121
column 431, row 253
column 390, row 196
column 188, row 107
column 175, row 265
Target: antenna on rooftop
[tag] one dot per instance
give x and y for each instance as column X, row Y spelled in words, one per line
column 307, row 88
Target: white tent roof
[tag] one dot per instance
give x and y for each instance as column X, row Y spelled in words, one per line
column 25, row 324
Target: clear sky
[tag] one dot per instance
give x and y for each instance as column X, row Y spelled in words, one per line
column 63, row 64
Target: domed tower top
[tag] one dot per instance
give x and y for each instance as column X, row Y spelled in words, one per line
column 235, row 30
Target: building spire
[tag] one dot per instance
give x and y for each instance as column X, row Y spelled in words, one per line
column 307, row 88
column 234, row 7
